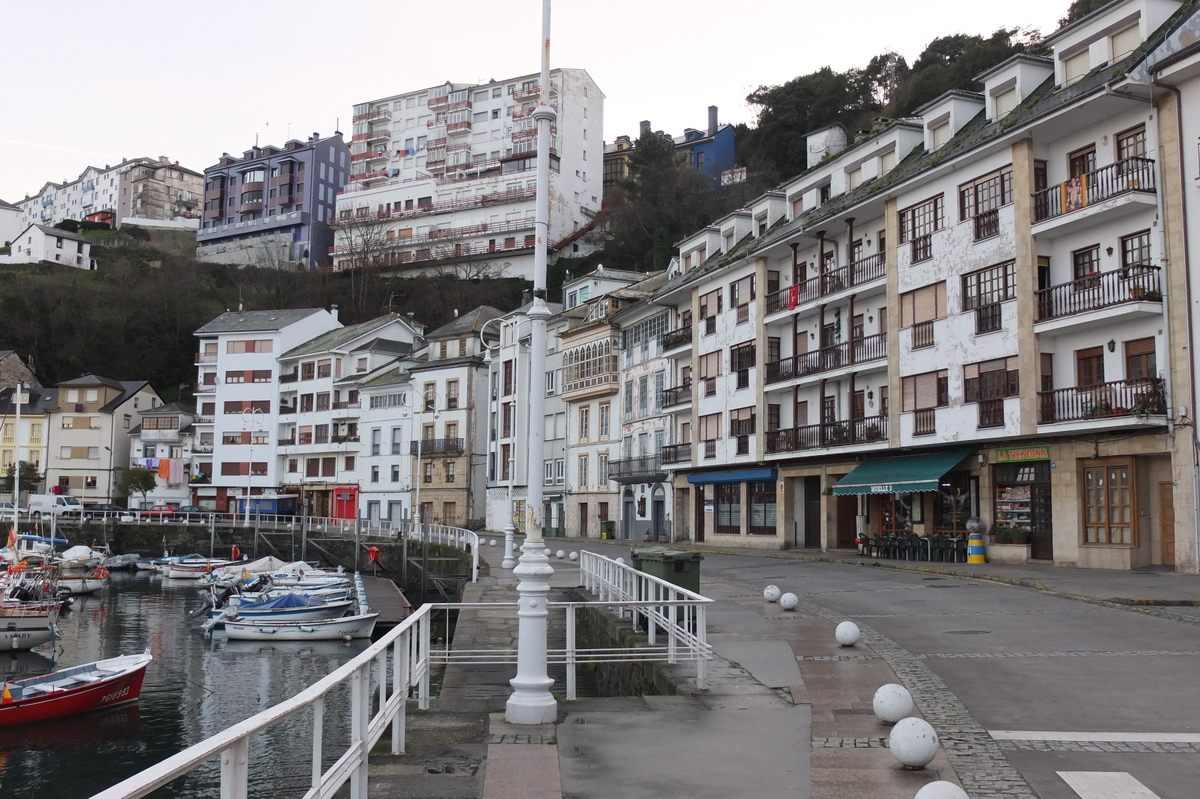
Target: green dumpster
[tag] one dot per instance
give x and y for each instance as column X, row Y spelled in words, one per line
column 673, row 565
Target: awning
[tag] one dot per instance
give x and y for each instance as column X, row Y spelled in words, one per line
column 740, row 476
column 901, row 474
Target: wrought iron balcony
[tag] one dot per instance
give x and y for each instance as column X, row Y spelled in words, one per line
column 676, row 338
column 644, row 469
column 1100, row 290
column 680, row 395
column 1119, row 398
column 868, row 348
column 677, row 453
column 867, row 430
column 436, row 446
column 1123, row 177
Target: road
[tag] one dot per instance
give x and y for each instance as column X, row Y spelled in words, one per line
column 1117, row 685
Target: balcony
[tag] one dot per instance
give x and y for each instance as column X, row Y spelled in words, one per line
column 253, row 206
column 287, row 442
column 677, row 453
column 680, row 395
column 595, row 376
column 346, row 439
column 679, row 337
column 925, row 422
column 991, row 413
column 850, row 353
column 987, row 224
column 347, row 406
column 868, row 430
column 532, row 92
column 436, row 446
column 646, row 469
column 202, row 447
column 1133, row 175
column 1117, row 399
column 290, row 377
column 282, row 180
column 371, row 116
column 374, row 174
column 286, row 409
column 922, row 335
column 205, row 388
column 203, row 420
column 864, row 270
column 459, row 127
column 205, row 357
column 200, row 479
column 1100, row 290
column 378, row 134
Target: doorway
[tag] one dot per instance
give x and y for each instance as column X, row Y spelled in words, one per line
column 847, row 510
column 627, row 515
column 701, row 516
column 1166, row 522
column 658, row 515
column 812, row 512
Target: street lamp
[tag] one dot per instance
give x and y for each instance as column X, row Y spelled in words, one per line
column 250, row 423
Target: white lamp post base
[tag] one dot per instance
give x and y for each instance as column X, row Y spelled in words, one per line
column 531, row 701
column 509, row 559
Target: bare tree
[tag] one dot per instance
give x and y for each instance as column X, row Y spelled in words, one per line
column 363, row 246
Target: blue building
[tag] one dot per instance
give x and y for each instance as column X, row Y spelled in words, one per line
column 273, row 206
column 709, row 151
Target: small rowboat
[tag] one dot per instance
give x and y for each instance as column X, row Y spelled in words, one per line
column 326, row 630
column 74, row 690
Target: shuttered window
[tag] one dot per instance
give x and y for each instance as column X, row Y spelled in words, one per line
column 928, row 390
column 710, row 427
column 923, row 305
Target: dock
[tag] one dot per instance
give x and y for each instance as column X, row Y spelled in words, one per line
column 385, row 598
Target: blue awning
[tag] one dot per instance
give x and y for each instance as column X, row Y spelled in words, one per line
column 740, row 476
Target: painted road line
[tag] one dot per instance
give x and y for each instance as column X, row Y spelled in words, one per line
column 1106, row 785
column 1087, row 737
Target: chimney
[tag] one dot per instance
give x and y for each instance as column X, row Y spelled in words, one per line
column 712, row 120
column 333, row 311
column 643, row 127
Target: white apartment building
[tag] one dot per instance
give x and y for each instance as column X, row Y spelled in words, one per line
column 41, row 244
column 900, row 339
column 164, row 442
column 89, row 436
column 386, row 428
column 10, row 223
column 447, row 175
column 237, row 391
column 30, row 439
column 146, row 188
column 320, row 410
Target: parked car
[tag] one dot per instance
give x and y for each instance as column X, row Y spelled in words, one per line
column 101, row 510
column 6, row 511
column 60, row 505
column 160, row 511
column 194, row 513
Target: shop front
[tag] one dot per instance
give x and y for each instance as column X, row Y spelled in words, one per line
column 1022, row 505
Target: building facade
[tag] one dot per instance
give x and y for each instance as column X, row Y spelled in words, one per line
column 446, row 175
column 41, row 244
column 273, row 206
column 164, row 442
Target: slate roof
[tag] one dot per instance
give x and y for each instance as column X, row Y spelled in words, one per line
column 59, row 232
column 340, row 336
column 255, row 321
column 470, row 322
column 174, row 407
column 41, row 400
column 385, row 345
column 440, row 363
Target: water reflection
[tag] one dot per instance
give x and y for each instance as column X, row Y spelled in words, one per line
column 195, row 688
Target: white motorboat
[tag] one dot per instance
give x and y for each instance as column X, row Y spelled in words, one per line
column 347, row 627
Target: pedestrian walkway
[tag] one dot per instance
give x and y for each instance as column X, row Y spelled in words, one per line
column 787, row 712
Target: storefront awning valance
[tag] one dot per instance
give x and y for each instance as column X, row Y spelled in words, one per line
column 741, row 476
column 901, row 474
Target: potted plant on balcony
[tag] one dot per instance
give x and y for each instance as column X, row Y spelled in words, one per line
column 1150, row 400
column 1137, row 291
column 1008, row 544
column 872, row 432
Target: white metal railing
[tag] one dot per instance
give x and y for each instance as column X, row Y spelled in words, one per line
column 381, row 678
column 399, row 661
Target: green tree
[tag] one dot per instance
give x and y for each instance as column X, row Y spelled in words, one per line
column 952, row 62
column 30, row 477
column 1081, row 8
column 137, row 481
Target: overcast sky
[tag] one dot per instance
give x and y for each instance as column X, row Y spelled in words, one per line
column 90, row 83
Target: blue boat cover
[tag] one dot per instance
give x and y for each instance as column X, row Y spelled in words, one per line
column 285, row 601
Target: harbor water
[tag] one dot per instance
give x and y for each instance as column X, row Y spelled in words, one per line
column 196, row 687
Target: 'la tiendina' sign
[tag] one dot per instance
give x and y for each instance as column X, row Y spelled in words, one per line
column 1021, row 454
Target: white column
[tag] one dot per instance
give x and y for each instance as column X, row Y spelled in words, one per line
column 531, row 701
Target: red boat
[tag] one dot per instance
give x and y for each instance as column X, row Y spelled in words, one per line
column 74, row 690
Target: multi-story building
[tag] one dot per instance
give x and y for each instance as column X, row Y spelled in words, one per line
column 237, row 391
column 709, row 152
column 89, row 439
column 321, row 410
column 452, row 384
column 385, row 472
column 41, row 244
column 965, row 314
column 10, row 223
column 164, row 442
column 274, row 205
column 141, row 188
column 447, row 175
column 28, row 441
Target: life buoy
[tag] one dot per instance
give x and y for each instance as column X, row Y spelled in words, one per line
column 99, row 573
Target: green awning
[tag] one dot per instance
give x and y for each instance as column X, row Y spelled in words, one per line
column 901, row 474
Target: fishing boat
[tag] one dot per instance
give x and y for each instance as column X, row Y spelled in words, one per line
column 347, row 627
column 193, row 568
column 29, row 607
column 89, row 583
column 74, row 690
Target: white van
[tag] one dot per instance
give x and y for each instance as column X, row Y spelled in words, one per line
column 60, row 505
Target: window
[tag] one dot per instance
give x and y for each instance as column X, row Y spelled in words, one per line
column 1005, row 101
column 602, row 469
column 919, row 309
column 1076, row 67
column 983, row 291
column 1108, row 504
column 728, row 498
column 451, row 394
column 395, row 472
column 917, row 224
column 981, row 200
column 427, row 472
column 449, row 471
column 1089, row 366
column 308, row 370
column 1081, row 162
column 922, row 393
column 1132, row 143
column 584, row 422
column 374, row 473
column 1086, row 265
column 349, row 463
column 1140, row 363
column 762, row 508
column 376, row 435
column 583, row 472
column 252, row 345
column 1135, row 250
column 1125, row 41
column 741, row 359
column 940, row 134
column 605, row 418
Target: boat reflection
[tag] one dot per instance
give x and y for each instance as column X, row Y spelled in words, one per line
column 122, row 723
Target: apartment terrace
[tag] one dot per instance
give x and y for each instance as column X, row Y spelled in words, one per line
column 422, row 256
column 436, row 208
column 644, row 469
column 1119, row 398
column 861, row 271
column 867, row 430
column 848, row 353
column 436, row 446
column 1132, row 175
column 1100, row 290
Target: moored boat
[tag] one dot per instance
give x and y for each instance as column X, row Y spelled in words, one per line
column 347, row 627
column 74, row 690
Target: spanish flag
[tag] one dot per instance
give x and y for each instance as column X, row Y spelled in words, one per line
column 6, row 698
column 12, row 536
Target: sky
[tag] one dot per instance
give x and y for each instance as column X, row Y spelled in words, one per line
column 90, row 84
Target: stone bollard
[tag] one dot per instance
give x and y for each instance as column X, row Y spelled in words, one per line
column 772, row 593
column 847, row 633
column 913, row 742
column 891, row 703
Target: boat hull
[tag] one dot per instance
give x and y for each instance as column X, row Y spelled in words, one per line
column 24, row 627
column 108, row 690
column 329, row 630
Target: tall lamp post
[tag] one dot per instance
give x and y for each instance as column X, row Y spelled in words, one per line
column 531, row 701
column 251, row 423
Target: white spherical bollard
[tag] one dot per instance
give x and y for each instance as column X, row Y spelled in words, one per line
column 491, row 542
column 892, row 702
column 772, row 593
column 847, row 633
column 941, row 790
column 913, row 742
column 573, row 556
column 789, row 601
column 621, row 561
column 560, row 554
